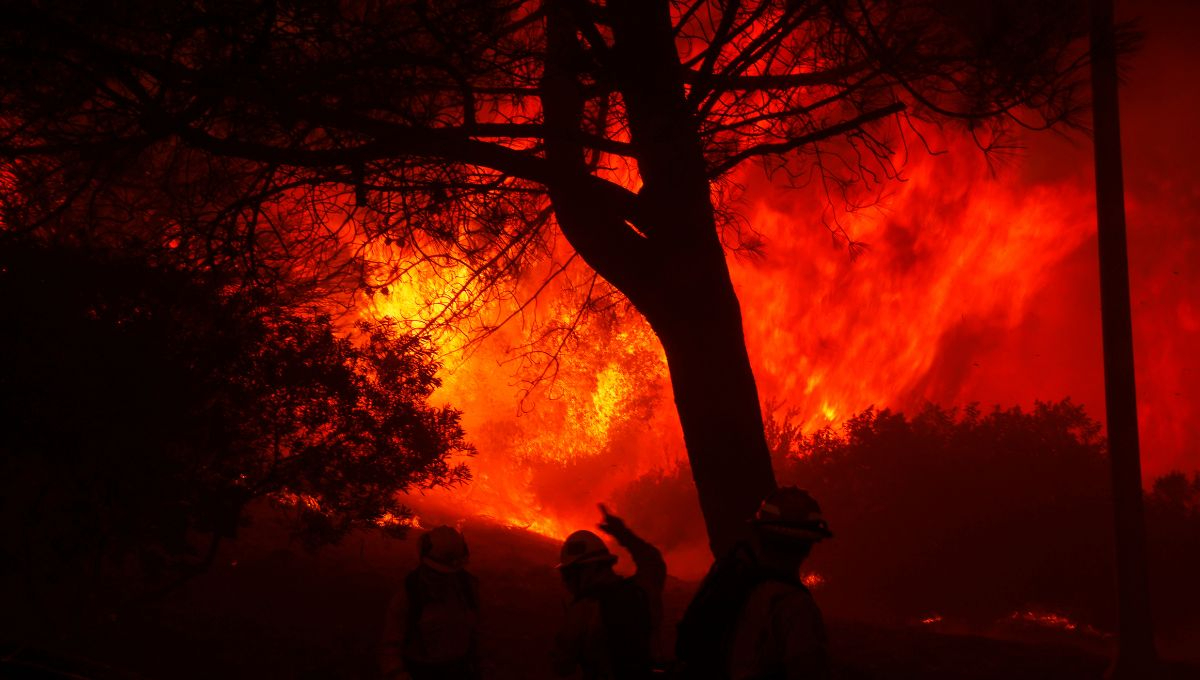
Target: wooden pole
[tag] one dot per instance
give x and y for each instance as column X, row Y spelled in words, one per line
column 1136, row 655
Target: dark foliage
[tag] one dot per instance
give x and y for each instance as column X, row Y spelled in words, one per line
column 964, row 514
column 145, row 408
column 967, row 515
column 1173, row 525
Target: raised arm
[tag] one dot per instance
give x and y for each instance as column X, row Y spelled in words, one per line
column 651, row 571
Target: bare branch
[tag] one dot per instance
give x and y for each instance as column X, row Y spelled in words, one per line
column 783, row 147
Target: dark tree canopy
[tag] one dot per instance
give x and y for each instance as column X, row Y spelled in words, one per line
column 460, row 106
column 146, row 409
column 459, row 131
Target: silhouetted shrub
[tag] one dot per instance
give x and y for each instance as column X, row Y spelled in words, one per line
column 145, row 407
column 963, row 514
column 1173, row 524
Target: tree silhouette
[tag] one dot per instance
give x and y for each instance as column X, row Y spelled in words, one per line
column 146, row 408
column 472, row 132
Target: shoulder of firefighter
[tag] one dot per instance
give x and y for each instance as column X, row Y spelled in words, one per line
column 580, row 641
column 606, row 634
column 779, row 634
column 430, row 623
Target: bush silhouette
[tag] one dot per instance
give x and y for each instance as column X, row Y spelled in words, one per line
column 146, row 407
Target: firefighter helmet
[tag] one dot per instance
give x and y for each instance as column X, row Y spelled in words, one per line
column 792, row 512
column 584, row 547
column 444, row 549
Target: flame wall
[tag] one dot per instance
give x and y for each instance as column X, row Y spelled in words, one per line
column 977, row 286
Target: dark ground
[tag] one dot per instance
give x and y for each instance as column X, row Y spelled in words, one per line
column 270, row 610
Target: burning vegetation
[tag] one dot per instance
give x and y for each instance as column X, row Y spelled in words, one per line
column 658, row 254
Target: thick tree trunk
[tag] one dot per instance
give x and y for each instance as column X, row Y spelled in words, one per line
column 697, row 317
column 689, row 300
column 673, row 266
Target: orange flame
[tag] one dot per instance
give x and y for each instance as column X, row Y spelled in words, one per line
column 974, row 286
column 959, row 259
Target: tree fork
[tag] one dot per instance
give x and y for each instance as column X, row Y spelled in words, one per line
column 676, row 275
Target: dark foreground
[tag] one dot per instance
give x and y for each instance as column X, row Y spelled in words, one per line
column 274, row 611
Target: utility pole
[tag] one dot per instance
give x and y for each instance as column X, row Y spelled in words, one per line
column 1136, row 656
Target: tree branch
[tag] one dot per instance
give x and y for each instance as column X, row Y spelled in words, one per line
column 795, row 143
column 781, row 81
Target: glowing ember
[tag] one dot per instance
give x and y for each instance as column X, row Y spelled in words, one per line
column 1055, row 621
column 1047, row 619
column 387, row 519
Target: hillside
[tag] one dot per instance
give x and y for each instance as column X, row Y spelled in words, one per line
column 272, row 610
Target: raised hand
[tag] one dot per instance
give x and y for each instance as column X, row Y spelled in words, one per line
column 611, row 525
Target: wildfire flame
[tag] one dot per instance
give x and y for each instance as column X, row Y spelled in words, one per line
column 978, row 283
column 959, row 259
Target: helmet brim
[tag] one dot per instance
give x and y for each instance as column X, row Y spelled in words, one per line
column 593, row 559
column 812, row 533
